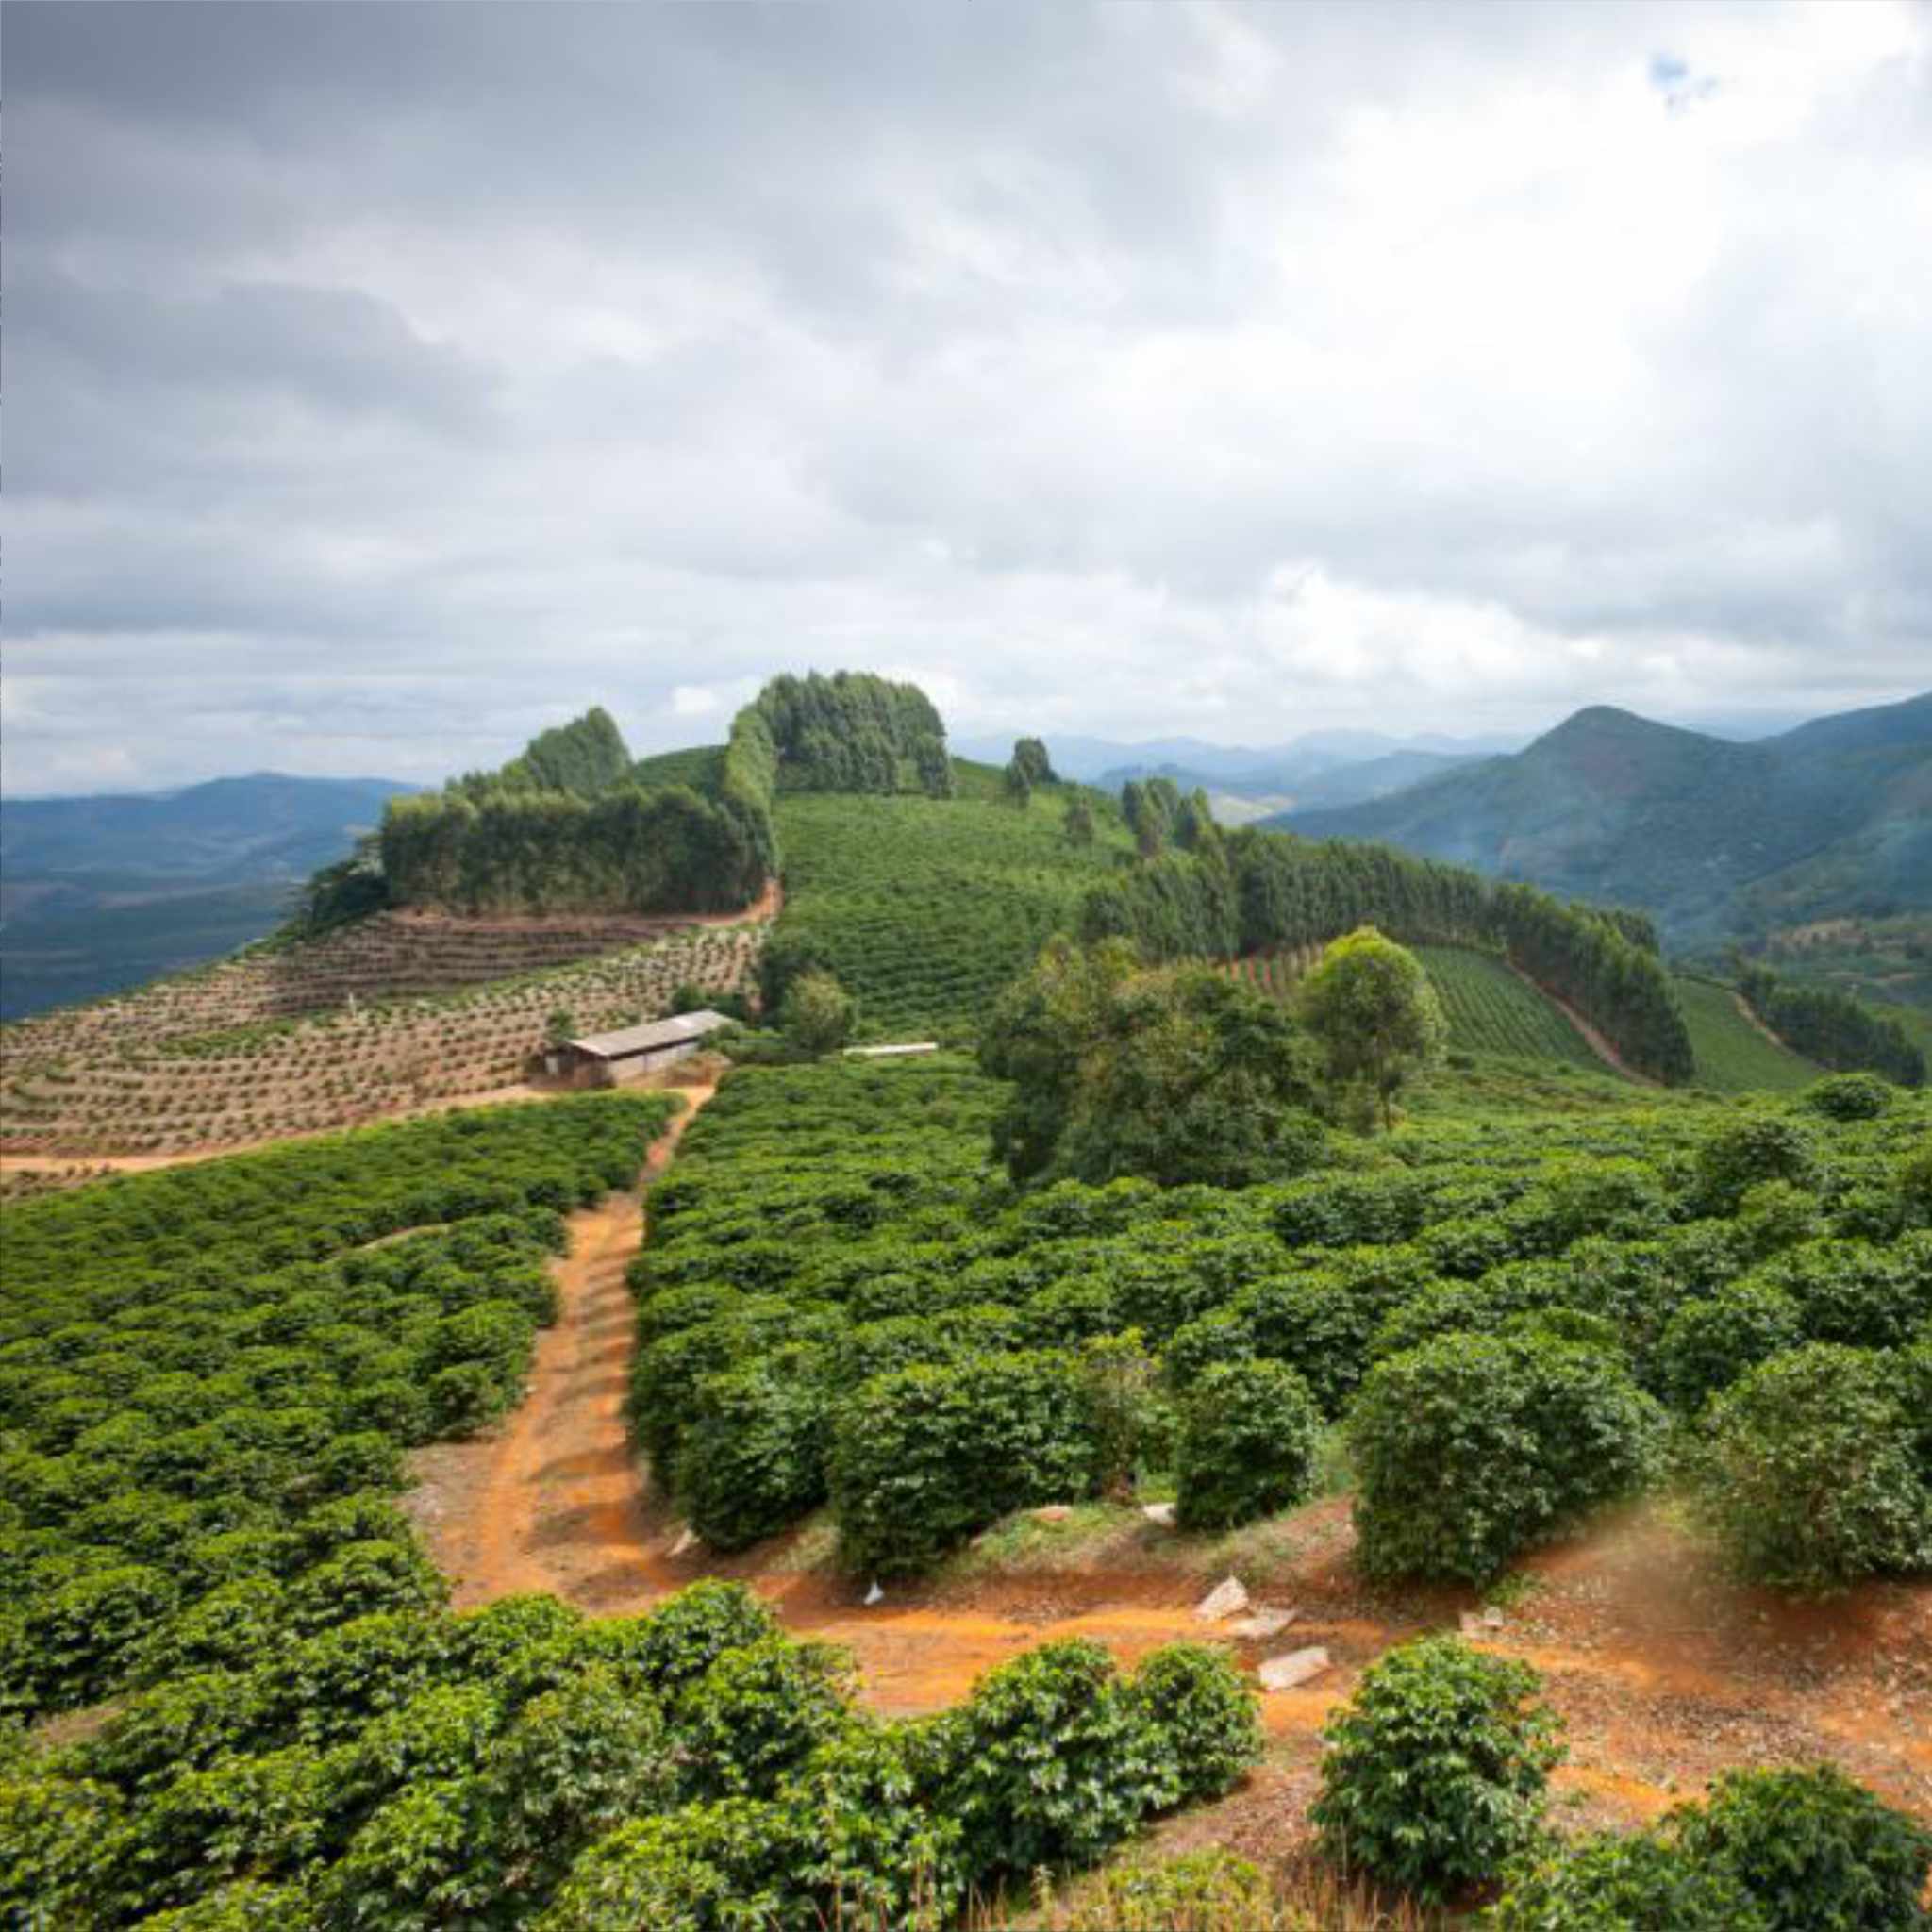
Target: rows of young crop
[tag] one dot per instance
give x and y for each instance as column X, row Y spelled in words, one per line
column 1489, row 1009
column 208, row 1378
column 1733, row 1055
column 130, row 1075
column 925, row 909
column 840, row 1302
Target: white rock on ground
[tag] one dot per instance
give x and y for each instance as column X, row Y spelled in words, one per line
column 1263, row 1625
column 874, row 1596
column 1161, row 1513
column 1293, row 1667
column 1052, row 1513
column 686, row 1541
column 1226, row 1599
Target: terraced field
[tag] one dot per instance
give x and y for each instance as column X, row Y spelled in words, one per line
column 1733, row 1055
column 158, row 1071
column 925, row 909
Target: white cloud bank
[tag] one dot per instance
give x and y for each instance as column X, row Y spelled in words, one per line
column 390, row 382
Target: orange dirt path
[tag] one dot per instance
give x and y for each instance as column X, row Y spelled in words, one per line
column 1664, row 1670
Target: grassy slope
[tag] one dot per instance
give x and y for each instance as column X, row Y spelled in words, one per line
column 927, row 908
column 1733, row 1057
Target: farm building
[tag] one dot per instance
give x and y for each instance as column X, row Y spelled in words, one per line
column 632, row 1053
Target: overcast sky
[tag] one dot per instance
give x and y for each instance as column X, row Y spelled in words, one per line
column 387, row 381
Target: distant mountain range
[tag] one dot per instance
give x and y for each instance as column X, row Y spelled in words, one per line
column 1833, row 817
column 98, row 894
column 1242, row 770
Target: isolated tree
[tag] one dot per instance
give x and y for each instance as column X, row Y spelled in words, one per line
column 560, row 1026
column 1029, row 754
column 1172, row 1075
column 1079, row 822
column 1371, row 1006
column 1018, row 785
column 817, row 1014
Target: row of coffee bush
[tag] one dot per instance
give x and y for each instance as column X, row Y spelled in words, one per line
column 687, row 1770
column 209, row 1377
column 1514, row 1320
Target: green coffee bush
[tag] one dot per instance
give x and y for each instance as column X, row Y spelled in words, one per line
column 1196, row 1695
column 1814, row 1850
column 1052, row 1761
column 1615, row 1881
column 1436, row 1770
column 1714, row 1338
column 703, row 1868
column 1249, row 1432
column 577, row 1762
column 1760, row 1147
column 1809, row 1476
column 760, row 1712
column 1470, row 1448
column 1850, row 1096
column 752, row 1458
column 922, row 1458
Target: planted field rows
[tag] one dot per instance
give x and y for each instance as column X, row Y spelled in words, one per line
column 1489, row 1009
column 925, row 909
column 1733, row 1055
column 126, row 1086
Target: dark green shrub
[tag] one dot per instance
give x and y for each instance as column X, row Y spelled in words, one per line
column 1712, row 1340
column 1249, row 1432
column 1052, row 1761
column 1757, row 1147
column 232, row 1625
column 248, row 1906
column 82, row 1637
column 922, row 1458
column 1858, row 1293
column 362, row 1579
column 872, row 1847
column 258, row 1817
column 1199, row 1698
column 1814, row 1850
column 753, row 1457
column 55, row 1832
column 1774, row 1215
column 758, row 1712
column 1809, row 1476
column 704, row 1868
column 1472, row 1447
column 577, row 1762
column 464, row 1399
column 444, row 1733
column 1319, row 1324
column 1621, row 1882
column 1436, row 1769
column 1850, row 1096
column 684, row 1635
column 424, row 1858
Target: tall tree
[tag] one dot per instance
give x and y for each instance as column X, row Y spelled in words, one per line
column 1371, row 1006
column 1029, row 754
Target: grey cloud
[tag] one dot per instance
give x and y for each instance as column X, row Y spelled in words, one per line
column 459, row 366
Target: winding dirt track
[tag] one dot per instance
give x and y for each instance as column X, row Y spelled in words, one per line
column 1664, row 1670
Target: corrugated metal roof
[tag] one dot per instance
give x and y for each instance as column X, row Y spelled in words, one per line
column 656, row 1033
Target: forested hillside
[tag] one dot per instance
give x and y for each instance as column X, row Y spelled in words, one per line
column 1834, row 818
column 573, row 824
